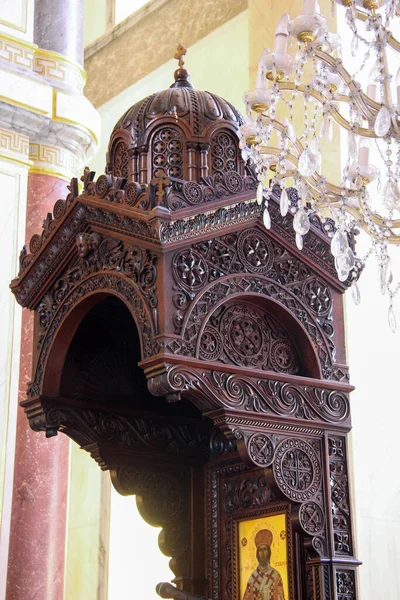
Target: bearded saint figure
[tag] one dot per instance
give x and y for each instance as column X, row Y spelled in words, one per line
column 264, row 583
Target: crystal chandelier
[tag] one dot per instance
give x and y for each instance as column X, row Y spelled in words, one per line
column 366, row 195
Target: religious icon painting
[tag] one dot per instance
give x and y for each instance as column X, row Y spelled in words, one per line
column 262, row 557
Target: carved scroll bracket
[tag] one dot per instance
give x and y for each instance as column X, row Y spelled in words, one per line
column 114, row 437
column 162, row 497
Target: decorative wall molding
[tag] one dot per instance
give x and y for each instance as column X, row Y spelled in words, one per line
column 16, row 52
column 58, row 70
column 14, row 146
column 41, row 97
column 53, row 160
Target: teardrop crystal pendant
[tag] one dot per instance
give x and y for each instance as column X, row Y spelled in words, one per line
column 386, row 275
column 352, row 144
column 315, row 146
column 391, row 196
column 245, row 154
column 339, row 243
column 348, row 259
column 266, row 219
column 301, row 222
column 343, row 273
column 382, row 122
column 307, row 163
column 342, row 270
column 354, row 45
column 355, row 293
column 284, row 203
column 326, row 131
column 299, row 241
column 260, row 193
column 291, row 132
column 392, row 320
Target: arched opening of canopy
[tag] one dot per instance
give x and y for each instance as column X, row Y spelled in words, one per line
column 94, row 358
column 93, row 366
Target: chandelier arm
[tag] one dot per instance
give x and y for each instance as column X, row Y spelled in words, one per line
column 336, row 192
column 337, row 96
column 363, row 102
column 333, row 189
column 335, row 114
column 393, row 43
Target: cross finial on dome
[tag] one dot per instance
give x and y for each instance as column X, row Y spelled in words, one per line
column 181, row 75
column 180, row 51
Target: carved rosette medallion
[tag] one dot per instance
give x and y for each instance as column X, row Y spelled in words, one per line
column 255, row 251
column 317, row 295
column 193, row 192
column 244, row 335
column 311, row 518
column 190, row 269
column 297, row 469
column 210, row 344
column 242, row 329
column 260, row 449
column 346, row 585
column 283, row 357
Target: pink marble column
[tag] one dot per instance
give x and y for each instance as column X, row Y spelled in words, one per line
column 39, row 508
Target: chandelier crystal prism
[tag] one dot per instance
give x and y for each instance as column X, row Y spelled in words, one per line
column 286, row 151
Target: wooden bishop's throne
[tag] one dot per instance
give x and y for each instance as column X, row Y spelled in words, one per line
column 197, row 356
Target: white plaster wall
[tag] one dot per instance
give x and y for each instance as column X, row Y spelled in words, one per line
column 373, row 355
column 16, row 18
column 95, row 17
column 13, row 185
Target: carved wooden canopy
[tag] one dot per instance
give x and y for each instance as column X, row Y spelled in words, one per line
column 197, row 356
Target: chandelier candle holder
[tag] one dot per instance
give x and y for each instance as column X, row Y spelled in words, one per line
column 368, row 195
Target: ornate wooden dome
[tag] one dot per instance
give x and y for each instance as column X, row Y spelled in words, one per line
column 186, row 133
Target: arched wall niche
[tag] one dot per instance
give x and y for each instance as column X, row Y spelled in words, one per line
column 101, row 363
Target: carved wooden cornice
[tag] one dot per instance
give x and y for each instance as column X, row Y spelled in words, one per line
column 238, row 398
column 106, row 205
